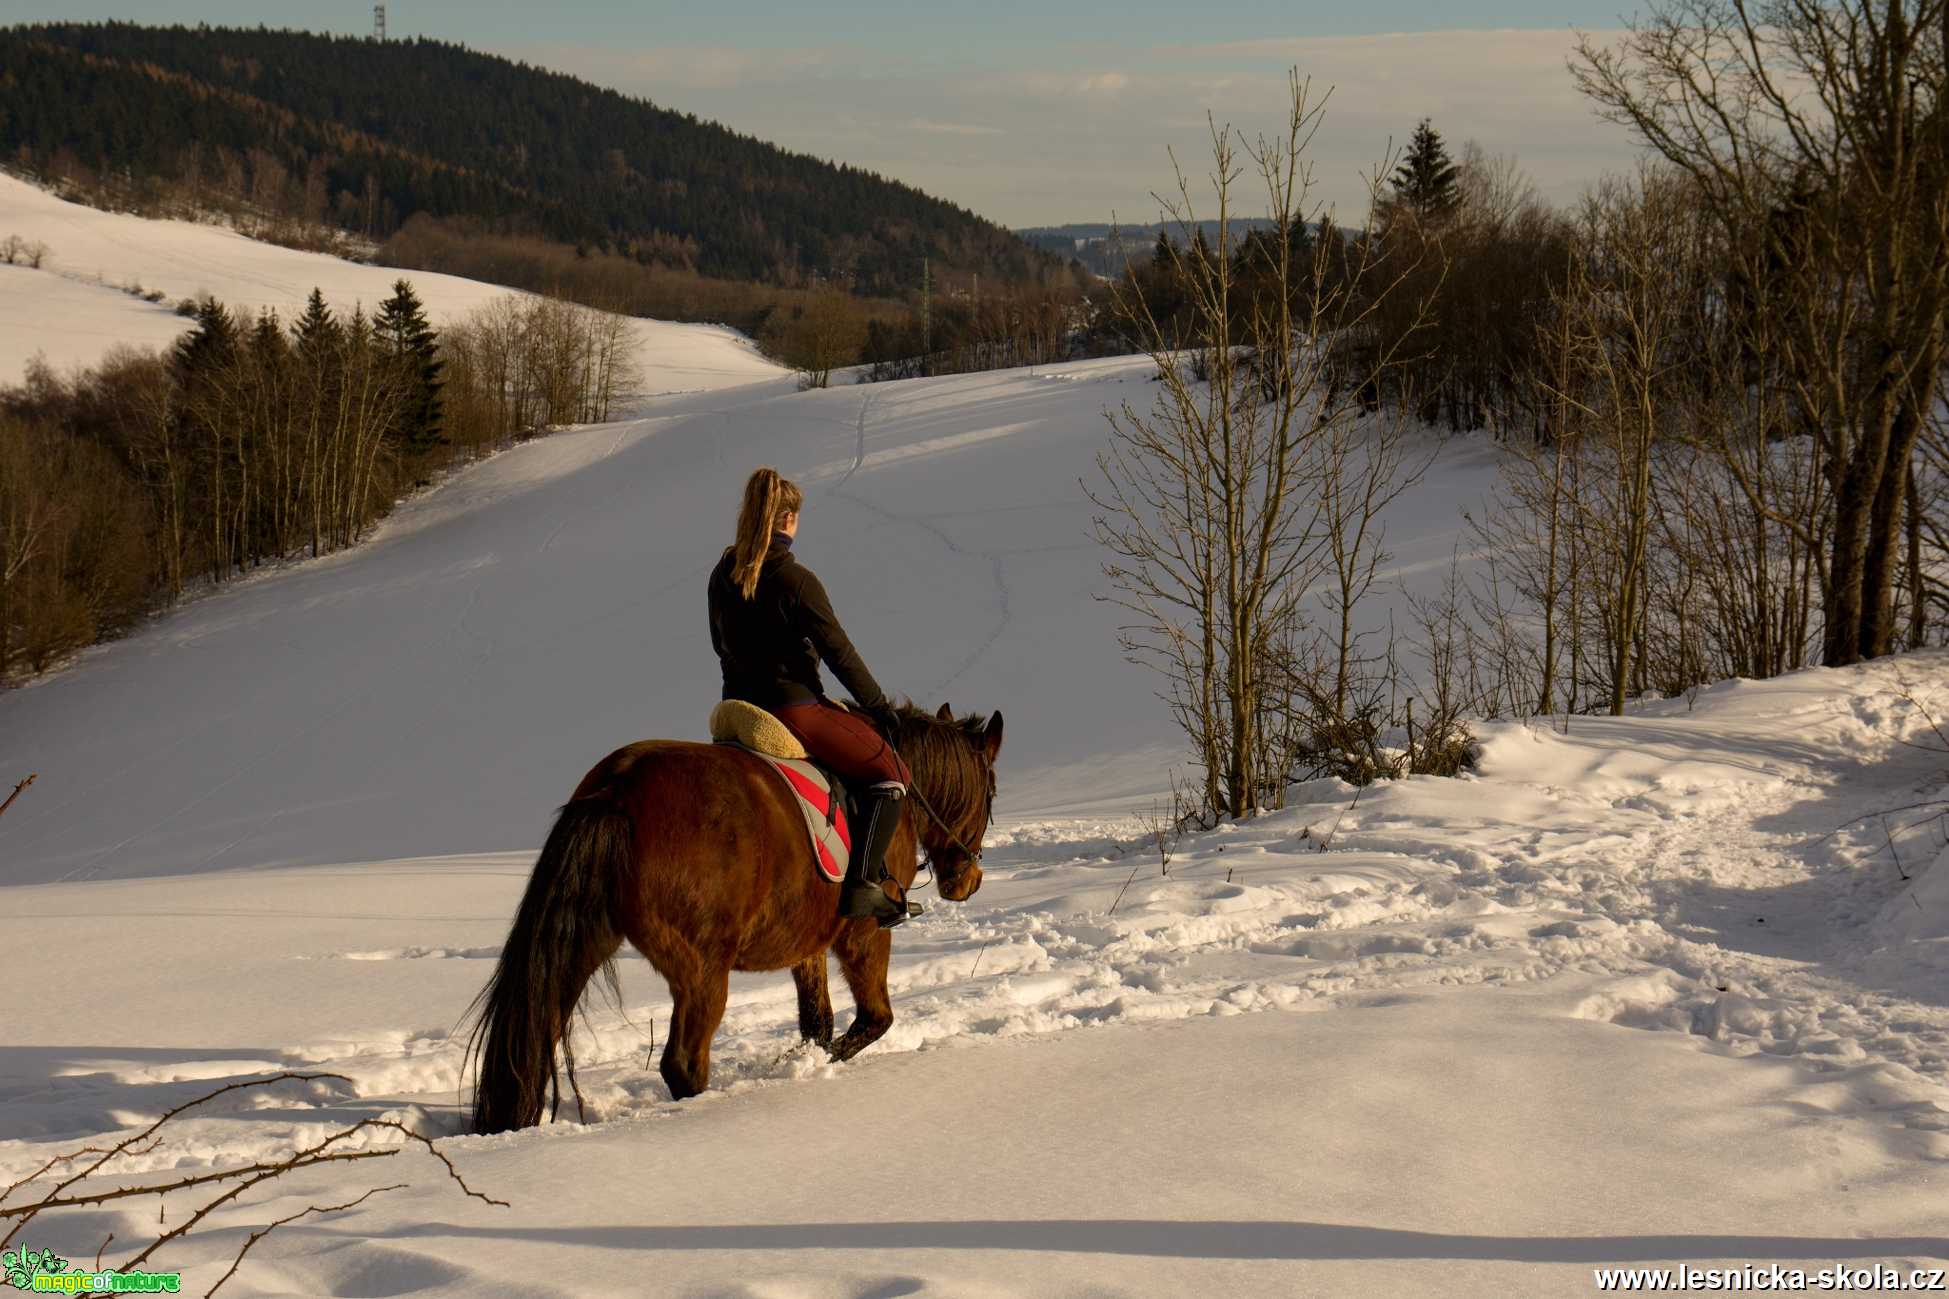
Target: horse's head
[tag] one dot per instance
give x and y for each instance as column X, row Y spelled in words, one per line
column 953, row 764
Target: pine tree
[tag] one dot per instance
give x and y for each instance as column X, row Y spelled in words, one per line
column 406, row 337
column 1424, row 183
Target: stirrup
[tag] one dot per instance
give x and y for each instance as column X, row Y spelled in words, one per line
column 858, row 904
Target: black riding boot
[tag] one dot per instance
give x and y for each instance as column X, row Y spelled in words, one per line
column 862, row 894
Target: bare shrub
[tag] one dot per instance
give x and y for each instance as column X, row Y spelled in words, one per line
column 1262, row 466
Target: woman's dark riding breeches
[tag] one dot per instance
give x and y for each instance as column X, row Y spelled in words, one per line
column 845, row 742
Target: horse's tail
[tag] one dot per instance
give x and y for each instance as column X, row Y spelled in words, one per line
column 563, row 934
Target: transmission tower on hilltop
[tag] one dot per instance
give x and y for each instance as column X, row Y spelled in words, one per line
column 379, row 22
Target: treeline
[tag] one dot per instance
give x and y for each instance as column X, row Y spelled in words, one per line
column 948, row 323
column 361, row 135
column 252, row 441
column 607, row 280
column 1722, row 462
column 1106, row 250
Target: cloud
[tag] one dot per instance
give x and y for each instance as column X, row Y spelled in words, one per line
column 653, row 71
column 1051, row 86
column 952, row 128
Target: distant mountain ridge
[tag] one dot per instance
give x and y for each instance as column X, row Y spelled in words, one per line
column 1104, row 248
column 364, row 134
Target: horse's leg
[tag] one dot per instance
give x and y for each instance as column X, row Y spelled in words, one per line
column 863, row 949
column 815, row 1000
column 699, row 995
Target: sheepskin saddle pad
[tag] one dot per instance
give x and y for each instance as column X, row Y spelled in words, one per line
column 734, row 721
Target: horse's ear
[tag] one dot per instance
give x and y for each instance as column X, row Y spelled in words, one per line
column 991, row 738
column 946, row 714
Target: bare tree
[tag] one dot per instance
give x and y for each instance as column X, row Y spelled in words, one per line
column 1815, row 132
column 1624, row 322
column 819, row 337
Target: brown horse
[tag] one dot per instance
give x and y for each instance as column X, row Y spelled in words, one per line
column 698, row 856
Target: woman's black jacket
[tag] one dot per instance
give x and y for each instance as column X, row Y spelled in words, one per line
column 771, row 644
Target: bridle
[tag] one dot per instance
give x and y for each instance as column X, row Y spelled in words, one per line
column 973, row 854
column 988, row 814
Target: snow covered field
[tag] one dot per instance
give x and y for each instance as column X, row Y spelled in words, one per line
column 1648, row 992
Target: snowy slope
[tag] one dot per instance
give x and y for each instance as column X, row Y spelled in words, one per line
column 74, row 309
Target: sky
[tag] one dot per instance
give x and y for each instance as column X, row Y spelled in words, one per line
column 1041, row 113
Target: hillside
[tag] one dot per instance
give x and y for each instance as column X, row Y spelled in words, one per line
column 365, row 135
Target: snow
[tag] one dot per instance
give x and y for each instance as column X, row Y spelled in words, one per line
column 1662, row 990
column 76, row 307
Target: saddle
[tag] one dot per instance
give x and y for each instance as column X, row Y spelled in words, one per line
column 821, row 796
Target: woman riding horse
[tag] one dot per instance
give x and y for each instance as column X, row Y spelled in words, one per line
column 696, row 854
column 771, row 624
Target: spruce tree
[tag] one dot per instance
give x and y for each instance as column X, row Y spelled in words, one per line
column 1425, row 182
column 1201, row 255
column 210, row 344
column 267, row 347
column 1299, row 242
column 317, row 330
column 406, row 337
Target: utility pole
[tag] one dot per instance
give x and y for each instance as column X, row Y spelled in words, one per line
column 926, row 308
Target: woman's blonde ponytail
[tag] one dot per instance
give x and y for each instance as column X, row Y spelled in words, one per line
column 767, row 499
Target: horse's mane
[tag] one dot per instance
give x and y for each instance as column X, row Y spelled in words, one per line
column 946, row 755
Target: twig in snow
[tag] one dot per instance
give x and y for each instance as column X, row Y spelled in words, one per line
column 72, row 1192
column 1891, row 849
column 1124, row 889
column 1328, row 841
column 1907, row 692
column 268, row 1228
column 53, row 1198
column 16, row 794
column 1934, row 806
column 1160, row 832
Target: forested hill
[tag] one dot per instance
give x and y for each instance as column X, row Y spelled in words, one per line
column 363, row 135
